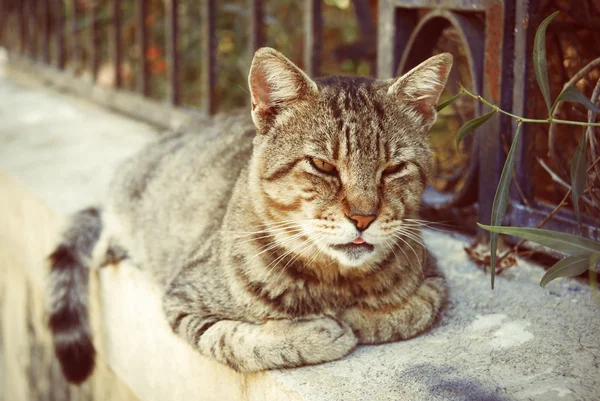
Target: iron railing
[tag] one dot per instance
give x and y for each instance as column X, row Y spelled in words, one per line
column 497, row 36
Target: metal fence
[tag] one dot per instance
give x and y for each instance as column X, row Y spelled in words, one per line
column 497, row 36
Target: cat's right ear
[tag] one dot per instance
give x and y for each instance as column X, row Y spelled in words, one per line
column 275, row 84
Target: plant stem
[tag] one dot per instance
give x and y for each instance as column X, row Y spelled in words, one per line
column 529, row 120
column 553, row 212
column 556, row 107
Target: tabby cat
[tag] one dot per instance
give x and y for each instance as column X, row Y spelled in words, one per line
column 278, row 242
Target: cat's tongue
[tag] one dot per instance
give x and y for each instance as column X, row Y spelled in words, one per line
column 359, row 241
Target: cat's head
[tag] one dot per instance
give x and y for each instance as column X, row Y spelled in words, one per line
column 340, row 163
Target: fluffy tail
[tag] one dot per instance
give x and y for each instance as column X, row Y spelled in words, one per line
column 68, row 294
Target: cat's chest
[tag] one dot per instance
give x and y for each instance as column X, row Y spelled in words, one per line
column 296, row 297
column 296, row 291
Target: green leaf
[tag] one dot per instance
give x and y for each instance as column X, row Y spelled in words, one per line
column 594, row 258
column 578, row 175
column 448, row 102
column 501, row 198
column 539, row 58
column 567, row 267
column 572, row 94
column 471, row 126
column 562, row 242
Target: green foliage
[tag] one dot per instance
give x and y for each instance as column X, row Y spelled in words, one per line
column 539, row 58
column 567, row 267
column 448, row 102
column 563, row 242
column 584, row 253
column 578, row 175
column 471, row 126
column 501, row 198
column 572, row 94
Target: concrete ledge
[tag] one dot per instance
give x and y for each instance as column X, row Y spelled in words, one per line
column 28, row 369
column 145, row 109
column 520, row 342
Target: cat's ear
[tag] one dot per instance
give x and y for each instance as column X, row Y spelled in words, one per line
column 422, row 86
column 275, row 83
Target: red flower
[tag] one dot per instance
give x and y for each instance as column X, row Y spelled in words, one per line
column 153, row 52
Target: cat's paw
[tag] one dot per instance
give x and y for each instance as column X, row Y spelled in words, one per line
column 323, row 339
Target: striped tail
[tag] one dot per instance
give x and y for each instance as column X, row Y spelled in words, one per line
column 68, row 293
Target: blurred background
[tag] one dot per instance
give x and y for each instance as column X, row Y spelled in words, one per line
column 159, row 63
column 194, row 55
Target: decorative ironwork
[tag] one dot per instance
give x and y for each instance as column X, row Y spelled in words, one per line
column 496, row 36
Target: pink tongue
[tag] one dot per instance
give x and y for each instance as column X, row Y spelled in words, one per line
column 359, row 241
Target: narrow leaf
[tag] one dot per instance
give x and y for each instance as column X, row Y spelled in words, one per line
column 539, row 58
column 471, row 126
column 572, row 94
column 594, row 258
column 501, row 198
column 578, row 175
column 448, row 102
column 562, row 242
column 567, row 267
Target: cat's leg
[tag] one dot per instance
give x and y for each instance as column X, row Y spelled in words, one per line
column 277, row 344
column 248, row 347
column 107, row 250
column 392, row 323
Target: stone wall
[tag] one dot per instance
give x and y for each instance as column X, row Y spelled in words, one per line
column 28, row 369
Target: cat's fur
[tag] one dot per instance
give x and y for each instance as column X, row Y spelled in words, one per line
column 246, row 235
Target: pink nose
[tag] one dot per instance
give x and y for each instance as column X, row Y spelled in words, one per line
column 362, row 222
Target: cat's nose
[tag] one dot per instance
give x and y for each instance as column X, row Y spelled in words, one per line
column 362, row 222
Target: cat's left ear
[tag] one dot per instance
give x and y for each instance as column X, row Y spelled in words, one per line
column 275, row 85
column 422, row 86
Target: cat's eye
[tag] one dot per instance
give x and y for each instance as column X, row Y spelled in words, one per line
column 393, row 169
column 323, row 166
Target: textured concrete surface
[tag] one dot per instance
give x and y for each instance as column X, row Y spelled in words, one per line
column 519, row 342
column 64, row 149
column 28, row 369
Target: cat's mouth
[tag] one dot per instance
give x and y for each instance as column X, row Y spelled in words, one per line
column 354, row 250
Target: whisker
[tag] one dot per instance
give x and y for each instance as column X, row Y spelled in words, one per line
column 432, row 223
column 291, row 230
column 276, row 243
column 274, row 228
column 413, row 249
column 411, row 235
column 281, row 257
column 319, row 251
column 298, row 254
column 405, row 254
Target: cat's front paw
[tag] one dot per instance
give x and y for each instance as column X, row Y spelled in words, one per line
column 322, row 340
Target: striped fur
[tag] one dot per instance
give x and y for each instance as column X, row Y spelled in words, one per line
column 249, row 239
column 68, row 285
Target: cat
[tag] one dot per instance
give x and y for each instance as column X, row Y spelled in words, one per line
column 280, row 239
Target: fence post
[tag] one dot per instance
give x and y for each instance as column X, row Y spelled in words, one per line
column 46, row 32
column 22, row 28
column 143, row 84
column 74, row 53
column 32, row 27
column 209, row 59
column 3, row 18
column 116, row 41
column 94, row 53
column 172, row 27
column 394, row 28
column 60, row 33
column 257, row 31
column 313, row 36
